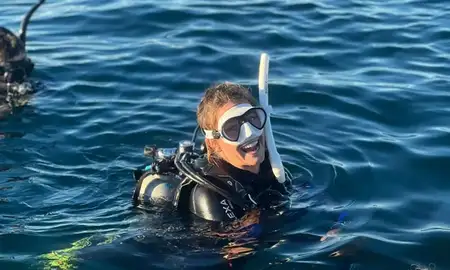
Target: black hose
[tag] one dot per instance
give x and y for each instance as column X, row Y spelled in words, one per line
column 194, row 136
column 184, row 168
column 202, row 181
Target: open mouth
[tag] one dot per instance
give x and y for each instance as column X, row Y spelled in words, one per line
column 251, row 146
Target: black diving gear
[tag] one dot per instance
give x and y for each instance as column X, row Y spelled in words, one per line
column 262, row 191
column 16, row 72
column 185, row 179
column 15, row 65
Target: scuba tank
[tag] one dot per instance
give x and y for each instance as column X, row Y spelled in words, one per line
column 157, row 183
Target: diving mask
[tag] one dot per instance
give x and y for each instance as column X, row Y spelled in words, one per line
column 239, row 124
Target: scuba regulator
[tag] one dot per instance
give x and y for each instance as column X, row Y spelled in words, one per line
column 179, row 167
column 163, row 159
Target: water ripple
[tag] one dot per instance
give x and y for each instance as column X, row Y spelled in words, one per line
column 360, row 95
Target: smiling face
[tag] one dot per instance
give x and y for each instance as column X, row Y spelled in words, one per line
column 247, row 149
column 233, row 126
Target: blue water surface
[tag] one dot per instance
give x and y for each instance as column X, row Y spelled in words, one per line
column 360, row 97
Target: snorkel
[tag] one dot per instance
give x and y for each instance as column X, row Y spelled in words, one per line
column 274, row 156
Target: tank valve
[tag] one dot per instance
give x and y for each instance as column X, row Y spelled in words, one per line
column 185, row 146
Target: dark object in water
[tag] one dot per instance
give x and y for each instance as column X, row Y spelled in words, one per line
column 15, row 65
column 7, row 135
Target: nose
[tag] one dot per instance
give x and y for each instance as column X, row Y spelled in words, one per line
column 247, row 130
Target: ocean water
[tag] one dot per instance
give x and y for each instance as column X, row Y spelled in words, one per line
column 360, row 91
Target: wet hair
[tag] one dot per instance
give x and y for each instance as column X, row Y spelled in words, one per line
column 214, row 98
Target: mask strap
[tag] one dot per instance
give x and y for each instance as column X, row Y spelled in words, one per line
column 211, row 134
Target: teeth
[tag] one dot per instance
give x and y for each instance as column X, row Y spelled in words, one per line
column 251, row 145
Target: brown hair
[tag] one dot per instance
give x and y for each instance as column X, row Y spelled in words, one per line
column 216, row 97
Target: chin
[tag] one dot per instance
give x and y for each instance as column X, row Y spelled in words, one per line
column 253, row 161
column 253, row 157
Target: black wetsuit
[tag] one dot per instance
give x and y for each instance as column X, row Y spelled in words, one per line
column 263, row 188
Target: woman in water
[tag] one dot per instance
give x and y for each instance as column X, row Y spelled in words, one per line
column 235, row 162
column 233, row 125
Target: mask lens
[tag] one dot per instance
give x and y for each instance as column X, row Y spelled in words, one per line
column 255, row 117
column 231, row 128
